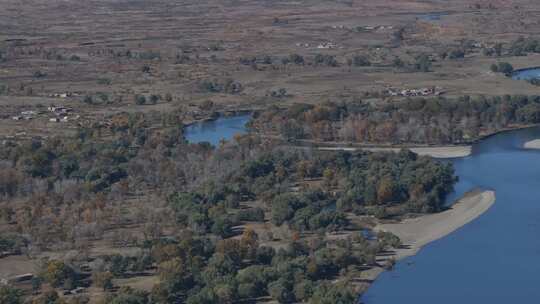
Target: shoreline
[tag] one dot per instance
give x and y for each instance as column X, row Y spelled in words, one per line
column 418, row 232
column 218, row 115
column 504, row 130
column 415, row 233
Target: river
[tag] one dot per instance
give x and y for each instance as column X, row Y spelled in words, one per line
column 526, row 74
column 435, row 16
column 493, row 259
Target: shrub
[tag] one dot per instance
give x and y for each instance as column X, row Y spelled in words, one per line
column 39, row 74
column 505, row 68
column 10, row 295
column 140, row 99
column 456, row 54
column 360, row 60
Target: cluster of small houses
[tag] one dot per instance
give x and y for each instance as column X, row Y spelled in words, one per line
column 322, row 45
column 436, row 91
column 376, row 27
column 61, row 114
column 367, row 28
column 64, row 95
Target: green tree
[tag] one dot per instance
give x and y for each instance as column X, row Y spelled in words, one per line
column 154, row 98
column 386, row 190
column 118, row 264
column 505, row 68
column 56, row 272
column 281, row 291
column 387, row 239
column 296, row 59
column 333, row 293
column 36, row 284
column 205, row 296
column 103, row 280
column 360, row 61
column 49, row 297
column 398, row 63
column 456, row 54
column 127, row 295
column 283, row 208
column 10, row 295
column 226, row 292
column 498, row 49
column 39, row 74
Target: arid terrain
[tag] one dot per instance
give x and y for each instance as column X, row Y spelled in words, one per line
column 109, row 52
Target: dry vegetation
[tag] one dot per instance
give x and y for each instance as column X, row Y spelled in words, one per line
column 108, row 61
column 112, row 51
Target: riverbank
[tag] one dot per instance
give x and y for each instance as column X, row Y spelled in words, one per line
column 417, row 232
column 435, row 152
column 533, row 144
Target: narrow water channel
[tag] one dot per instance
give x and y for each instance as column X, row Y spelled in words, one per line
column 526, row 74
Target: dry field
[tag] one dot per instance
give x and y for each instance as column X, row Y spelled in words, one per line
column 121, row 48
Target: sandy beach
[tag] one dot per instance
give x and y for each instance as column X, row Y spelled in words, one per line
column 435, row 152
column 533, row 144
column 418, row 232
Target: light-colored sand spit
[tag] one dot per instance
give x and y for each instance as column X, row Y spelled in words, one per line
column 444, row 152
column 436, row 152
column 533, row 144
column 417, row 232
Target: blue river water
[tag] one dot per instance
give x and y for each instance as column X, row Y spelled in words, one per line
column 493, row 259
column 213, row 131
column 526, row 74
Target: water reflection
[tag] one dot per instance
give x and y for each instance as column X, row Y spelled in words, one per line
column 223, row 128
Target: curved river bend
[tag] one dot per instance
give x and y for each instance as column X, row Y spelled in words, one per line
column 493, row 259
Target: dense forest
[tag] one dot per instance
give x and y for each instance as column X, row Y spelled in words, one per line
column 247, row 220
column 412, row 121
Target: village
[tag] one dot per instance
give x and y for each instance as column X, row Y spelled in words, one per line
column 431, row 91
column 58, row 113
